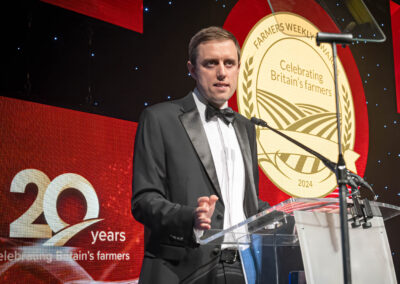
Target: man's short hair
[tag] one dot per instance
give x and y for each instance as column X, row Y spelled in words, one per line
column 209, row 34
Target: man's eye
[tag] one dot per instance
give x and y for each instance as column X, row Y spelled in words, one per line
column 210, row 63
column 229, row 63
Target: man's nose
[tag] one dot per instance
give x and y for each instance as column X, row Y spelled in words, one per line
column 221, row 71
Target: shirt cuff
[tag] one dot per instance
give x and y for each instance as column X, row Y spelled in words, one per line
column 198, row 234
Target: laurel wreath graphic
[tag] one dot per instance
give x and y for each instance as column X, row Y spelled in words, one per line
column 347, row 120
column 249, row 106
column 248, row 70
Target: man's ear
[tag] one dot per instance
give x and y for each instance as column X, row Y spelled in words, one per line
column 192, row 70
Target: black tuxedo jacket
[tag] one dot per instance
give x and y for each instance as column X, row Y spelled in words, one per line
column 173, row 167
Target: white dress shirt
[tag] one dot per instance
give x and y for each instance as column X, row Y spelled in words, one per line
column 228, row 161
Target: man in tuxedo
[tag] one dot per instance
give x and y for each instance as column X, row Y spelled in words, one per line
column 195, row 168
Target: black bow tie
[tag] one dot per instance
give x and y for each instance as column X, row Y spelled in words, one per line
column 227, row 114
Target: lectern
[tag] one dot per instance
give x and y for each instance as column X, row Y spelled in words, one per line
column 298, row 241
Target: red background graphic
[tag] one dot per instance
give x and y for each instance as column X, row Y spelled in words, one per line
column 125, row 13
column 57, row 141
column 241, row 20
column 395, row 17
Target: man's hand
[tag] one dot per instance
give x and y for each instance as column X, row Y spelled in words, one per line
column 204, row 211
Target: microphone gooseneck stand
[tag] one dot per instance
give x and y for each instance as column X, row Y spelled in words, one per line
column 354, row 180
column 361, row 209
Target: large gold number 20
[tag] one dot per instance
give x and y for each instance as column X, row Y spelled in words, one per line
column 46, row 202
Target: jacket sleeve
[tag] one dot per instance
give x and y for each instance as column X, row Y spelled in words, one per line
column 172, row 223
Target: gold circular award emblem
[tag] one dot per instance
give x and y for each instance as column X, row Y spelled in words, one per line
column 287, row 80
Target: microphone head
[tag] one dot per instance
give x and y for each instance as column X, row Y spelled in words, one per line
column 258, row 121
column 255, row 120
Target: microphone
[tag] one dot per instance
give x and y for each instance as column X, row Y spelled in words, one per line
column 336, row 38
column 361, row 182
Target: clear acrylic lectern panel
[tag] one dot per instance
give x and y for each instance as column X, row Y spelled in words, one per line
column 300, row 239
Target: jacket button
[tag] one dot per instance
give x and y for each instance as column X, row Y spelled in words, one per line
column 215, row 251
column 220, row 217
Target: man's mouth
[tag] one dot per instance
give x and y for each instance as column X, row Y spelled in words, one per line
column 221, row 85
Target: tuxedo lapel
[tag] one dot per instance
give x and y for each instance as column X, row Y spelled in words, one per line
column 250, row 195
column 191, row 121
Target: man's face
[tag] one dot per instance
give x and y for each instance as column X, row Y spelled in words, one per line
column 216, row 70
